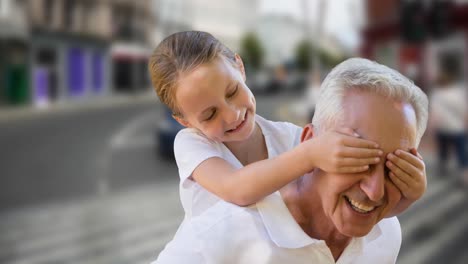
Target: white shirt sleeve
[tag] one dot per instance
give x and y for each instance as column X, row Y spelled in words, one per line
column 192, row 148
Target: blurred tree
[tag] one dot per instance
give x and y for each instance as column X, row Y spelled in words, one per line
column 330, row 60
column 304, row 52
column 252, row 51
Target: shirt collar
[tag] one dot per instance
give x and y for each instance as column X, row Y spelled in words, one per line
column 285, row 232
column 282, row 228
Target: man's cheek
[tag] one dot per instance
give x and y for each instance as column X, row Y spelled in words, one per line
column 393, row 193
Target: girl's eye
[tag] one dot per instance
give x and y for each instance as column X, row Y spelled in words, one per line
column 234, row 92
column 211, row 115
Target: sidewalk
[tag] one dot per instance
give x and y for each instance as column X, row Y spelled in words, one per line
column 10, row 113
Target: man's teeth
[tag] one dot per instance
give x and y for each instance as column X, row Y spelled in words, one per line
column 360, row 207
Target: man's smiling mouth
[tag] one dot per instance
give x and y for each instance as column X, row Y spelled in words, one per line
column 358, row 207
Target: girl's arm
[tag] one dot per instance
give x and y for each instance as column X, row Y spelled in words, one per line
column 331, row 151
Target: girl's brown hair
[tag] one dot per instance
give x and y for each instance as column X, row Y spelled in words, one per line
column 178, row 54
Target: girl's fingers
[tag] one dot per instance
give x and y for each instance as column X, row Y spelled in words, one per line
column 416, row 153
column 410, row 158
column 351, row 152
column 401, row 173
column 348, row 131
column 351, row 141
column 353, row 169
column 404, row 188
column 405, row 166
column 355, row 162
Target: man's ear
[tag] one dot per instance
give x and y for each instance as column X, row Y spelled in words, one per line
column 181, row 121
column 240, row 65
column 307, row 132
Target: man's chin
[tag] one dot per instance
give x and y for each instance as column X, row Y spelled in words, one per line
column 355, row 231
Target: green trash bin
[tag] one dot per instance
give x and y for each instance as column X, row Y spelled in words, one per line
column 17, row 84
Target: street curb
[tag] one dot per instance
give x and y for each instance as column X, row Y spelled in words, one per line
column 32, row 111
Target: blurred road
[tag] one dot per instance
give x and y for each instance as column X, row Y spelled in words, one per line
column 86, row 186
column 63, row 155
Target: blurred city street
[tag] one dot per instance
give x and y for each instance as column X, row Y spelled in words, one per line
column 119, row 203
column 86, row 169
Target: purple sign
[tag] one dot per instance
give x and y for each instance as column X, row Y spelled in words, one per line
column 41, row 84
column 76, row 72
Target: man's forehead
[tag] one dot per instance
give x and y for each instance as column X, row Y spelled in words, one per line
column 390, row 123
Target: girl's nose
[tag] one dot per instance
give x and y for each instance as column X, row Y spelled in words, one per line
column 231, row 115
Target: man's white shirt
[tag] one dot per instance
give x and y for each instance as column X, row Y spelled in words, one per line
column 267, row 233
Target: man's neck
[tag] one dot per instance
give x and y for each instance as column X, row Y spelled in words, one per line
column 306, row 209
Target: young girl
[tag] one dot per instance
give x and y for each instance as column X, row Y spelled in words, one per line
column 228, row 151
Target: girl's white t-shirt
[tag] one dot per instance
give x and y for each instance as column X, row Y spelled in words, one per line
column 191, row 148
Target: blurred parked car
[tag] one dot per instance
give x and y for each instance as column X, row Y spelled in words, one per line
column 166, row 131
column 296, row 81
column 258, row 81
column 264, row 81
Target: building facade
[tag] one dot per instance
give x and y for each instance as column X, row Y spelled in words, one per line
column 73, row 49
column 416, row 36
column 133, row 38
column 69, row 49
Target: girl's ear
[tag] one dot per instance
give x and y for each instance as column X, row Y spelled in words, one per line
column 307, row 132
column 240, row 64
column 181, row 121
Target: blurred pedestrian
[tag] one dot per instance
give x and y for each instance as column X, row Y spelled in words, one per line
column 450, row 119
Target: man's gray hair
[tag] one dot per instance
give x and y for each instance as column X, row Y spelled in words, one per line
column 363, row 74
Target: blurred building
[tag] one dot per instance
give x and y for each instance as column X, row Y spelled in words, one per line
column 73, row 49
column 133, row 33
column 228, row 21
column 69, row 49
column 172, row 16
column 414, row 36
column 14, row 40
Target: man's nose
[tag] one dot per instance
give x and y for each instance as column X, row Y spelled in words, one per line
column 373, row 185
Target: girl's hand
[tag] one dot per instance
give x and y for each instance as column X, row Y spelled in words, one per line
column 408, row 173
column 343, row 151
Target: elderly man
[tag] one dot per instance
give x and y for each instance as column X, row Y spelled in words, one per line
column 322, row 217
